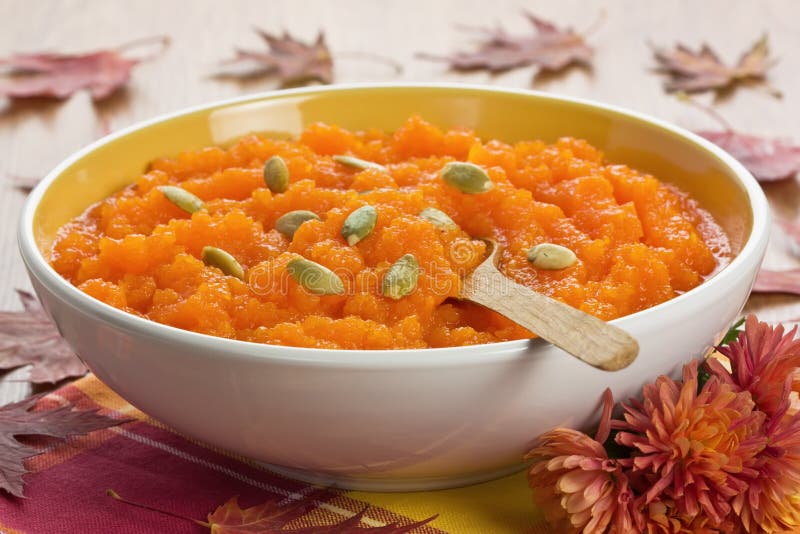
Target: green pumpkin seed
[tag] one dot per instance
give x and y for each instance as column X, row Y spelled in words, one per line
column 551, row 256
column 358, row 163
column 359, row 224
column 276, row 174
column 439, row 218
column 466, row 177
column 216, row 257
column 314, row 277
column 182, row 198
column 401, row 278
column 288, row 223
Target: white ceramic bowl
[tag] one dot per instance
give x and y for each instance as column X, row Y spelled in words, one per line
column 401, row 419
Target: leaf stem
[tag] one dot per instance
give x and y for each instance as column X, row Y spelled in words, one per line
column 478, row 29
column 708, row 110
column 114, row 495
column 772, row 91
column 162, row 41
column 396, row 65
column 594, row 26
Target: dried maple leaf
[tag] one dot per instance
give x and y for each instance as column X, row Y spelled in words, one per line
column 275, row 514
column 768, row 159
column 18, row 419
column 788, row 281
column 693, row 72
column 59, row 76
column 230, row 518
column 549, row 48
column 29, row 337
column 293, row 62
column 769, row 281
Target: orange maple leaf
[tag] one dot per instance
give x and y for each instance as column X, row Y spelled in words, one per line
column 275, row 515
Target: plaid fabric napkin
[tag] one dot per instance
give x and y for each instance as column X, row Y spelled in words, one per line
column 148, row 463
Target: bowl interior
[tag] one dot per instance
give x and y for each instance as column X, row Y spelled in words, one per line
column 116, row 161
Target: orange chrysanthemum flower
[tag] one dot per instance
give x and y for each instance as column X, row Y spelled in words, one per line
column 662, row 517
column 703, row 458
column 577, row 485
column 764, row 362
column 691, row 447
column 771, row 502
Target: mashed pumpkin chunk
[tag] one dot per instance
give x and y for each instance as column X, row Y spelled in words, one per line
column 638, row 241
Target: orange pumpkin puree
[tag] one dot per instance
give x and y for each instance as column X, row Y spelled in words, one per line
column 639, row 242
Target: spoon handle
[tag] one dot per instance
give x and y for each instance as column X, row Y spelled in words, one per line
column 584, row 336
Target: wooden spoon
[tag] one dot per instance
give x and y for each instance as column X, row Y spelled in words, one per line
column 582, row 335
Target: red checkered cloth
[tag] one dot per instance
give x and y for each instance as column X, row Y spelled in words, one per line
column 148, row 463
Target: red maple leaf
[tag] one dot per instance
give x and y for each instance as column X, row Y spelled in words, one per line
column 786, row 281
column 59, row 76
column 19, row 419
column 267, row 517
column 767, row 159
column 29, row 337
column 292, row 61
column 769, row 281
column 550, row 48
column 273, row 516
column 692, row 72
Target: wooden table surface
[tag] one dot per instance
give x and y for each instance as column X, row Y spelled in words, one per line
column 36, row 136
